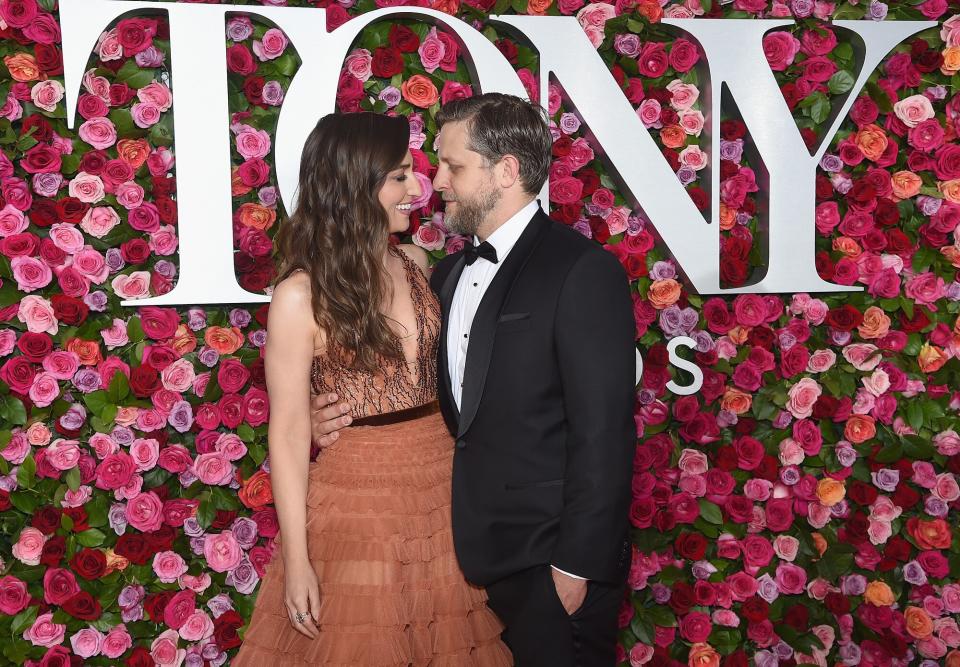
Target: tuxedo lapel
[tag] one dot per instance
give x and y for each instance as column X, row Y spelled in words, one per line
column 484, row 325
column 446, row 300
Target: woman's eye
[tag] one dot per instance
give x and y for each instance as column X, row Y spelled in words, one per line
column 402, row 178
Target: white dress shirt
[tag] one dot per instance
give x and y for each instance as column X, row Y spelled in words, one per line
column 472, row 286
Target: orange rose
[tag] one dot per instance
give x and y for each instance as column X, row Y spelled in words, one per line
column 878, row 594
column 872, row 141
column 538, row 7
column 933, row 534
column 133, row 151
column 739, row 334
column 919, row 624
column 819, row 542
column 847, row 246
column 87, row 350
column 673, row 136
column 126, row 415
column 703, row 655
column 859, row 428
column 931, row 358
column 950, row 190
column 728, row 217
column 953, row 657
column 652, row 11
column 184, row 340
column 257, row 216
column 830, row 491
column 237, row 188
column 951, row 61
column 223, row 340
column 256, row 491
column 114, row 562
column 736, row 401
column 663, row 293
column 875, row 324
column 23, row 67
column 419, row 91
column 906, row 184
column 952, row 253
column 450, row 7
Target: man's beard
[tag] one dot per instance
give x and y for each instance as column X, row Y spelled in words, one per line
column 470, row 213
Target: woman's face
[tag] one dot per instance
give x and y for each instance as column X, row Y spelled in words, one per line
column 400, row 188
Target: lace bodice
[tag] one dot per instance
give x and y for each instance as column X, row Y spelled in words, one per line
column 397, row 385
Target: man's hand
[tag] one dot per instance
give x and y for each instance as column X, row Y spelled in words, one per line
column 327, row 417
column 571, row 591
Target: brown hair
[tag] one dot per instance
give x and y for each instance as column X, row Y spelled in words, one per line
column 339, row 231
column 500, row 124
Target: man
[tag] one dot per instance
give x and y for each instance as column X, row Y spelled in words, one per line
column 536, row 383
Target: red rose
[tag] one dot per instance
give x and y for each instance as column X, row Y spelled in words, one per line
column 49, row 59
column 136, row 34
column 155, row 603
column 225, row 628
column 35, row 346
column 18, row 373
column 69, row 309
column 43, row 212
column 844, row 318
column 160, row 356
column 387, row 62
column 139, row 657
column 19, row 13
column 78, row 514
column 51, row 254
column 755, row 609
column 453, row 90
column 933, row 534
column 84, row 606
column 232, row 375
column 590, row 180
column 53, row 551
column 794, row 360
column 134, row 548
column 779, row 514
column 256, row 410
column 652, row 61
column 681, row 598
column 691, row 546
column 231, row 410
column 144, row 381
column 403, row 38
column 253, row 89
column 167, row 209
column 508, row 48
column 683, row 55
column 41, row 159
column 566, row 190
column 120, row 94
column 257, row 279
column 135, row 251
column 451, row 50
column 254, row 172
column 43, row 132
column 159, row 323
column 71, row 209
column 240, row 60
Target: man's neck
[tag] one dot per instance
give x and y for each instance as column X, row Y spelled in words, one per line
column 498, row 218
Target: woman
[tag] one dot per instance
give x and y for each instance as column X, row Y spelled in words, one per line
column 367, row 573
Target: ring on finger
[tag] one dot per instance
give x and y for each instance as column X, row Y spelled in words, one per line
column 301, row 617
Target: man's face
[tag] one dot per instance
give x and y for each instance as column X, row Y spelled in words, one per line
column 467, row 184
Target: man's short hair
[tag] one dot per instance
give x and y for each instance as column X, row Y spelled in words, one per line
column 498, row 125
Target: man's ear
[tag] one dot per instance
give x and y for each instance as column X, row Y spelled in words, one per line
column 509, row 171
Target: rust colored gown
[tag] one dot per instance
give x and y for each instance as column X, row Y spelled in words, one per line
column 378, row 530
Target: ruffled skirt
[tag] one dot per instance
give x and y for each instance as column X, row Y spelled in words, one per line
column 380, row 541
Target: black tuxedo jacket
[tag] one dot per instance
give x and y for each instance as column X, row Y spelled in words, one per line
column 545, row 439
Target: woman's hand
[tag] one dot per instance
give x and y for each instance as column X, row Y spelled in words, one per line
column 301, row 593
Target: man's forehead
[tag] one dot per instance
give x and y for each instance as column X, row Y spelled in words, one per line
column 452, row 138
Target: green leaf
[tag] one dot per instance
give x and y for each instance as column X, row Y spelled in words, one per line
column 119, row 388
column 25, row 502
column 841, row 82
column 92, row 537
column 246, row 433
column 66, row 522
column 206, row 513
column 24, row 620
column 710, row 512
column 915, row 415
column 134, row 330
column 27, row 473
column 16, row 413
column 72, row 478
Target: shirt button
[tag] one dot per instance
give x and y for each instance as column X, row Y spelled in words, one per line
column 461, row 444
column 475, row 284
column 464, row 335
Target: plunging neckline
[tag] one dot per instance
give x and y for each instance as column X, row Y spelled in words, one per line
column 409, row 269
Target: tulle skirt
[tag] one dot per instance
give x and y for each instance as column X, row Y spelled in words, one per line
column 379, row 538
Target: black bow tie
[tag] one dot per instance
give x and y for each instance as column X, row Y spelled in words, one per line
column 485, row 250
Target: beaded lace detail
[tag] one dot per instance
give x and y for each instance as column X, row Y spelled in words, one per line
column 400, row 383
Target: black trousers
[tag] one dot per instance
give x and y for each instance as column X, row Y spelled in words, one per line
column 540, row 632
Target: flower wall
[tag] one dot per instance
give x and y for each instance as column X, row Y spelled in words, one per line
column 801, row 508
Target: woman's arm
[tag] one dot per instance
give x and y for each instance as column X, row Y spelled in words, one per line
column 288, row 355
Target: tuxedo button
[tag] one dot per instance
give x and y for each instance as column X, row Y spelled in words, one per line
column 461, row 444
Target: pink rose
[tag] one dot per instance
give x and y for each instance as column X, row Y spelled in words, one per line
column 133, row 286
column 99, row 220
column 44, row 632
column 180, row 607
column 863, row 356
column 157, row 94
column 913, row 110
column 750, row 310
column 63, row 454
column 693, row 462
column 649, row 113
column 431, row 51
column 29, row 546
column 47, row 94
column 786, row 547
column 429, row 237
column 252, row 143
column 59, row 585
column 116, row 642
column 164, row 650
column 271, row 45
column 91, row 265
column 222, row 551
column 87, row 642
column 694, row 157
column 99, row 132
column 802, row 397
column 145, row 114
column 947, row 442
column 757, row 551
column 14, row 597
column 145, row 512
column 592, row 19
column 30, row 273
column 213, row 468
column 66, row 237
column 790, row 578
column 780, row 48
column 683, row 95
column 87, row 187
column 925, row 289
column 821, row 361
column 44, row 390
column 946, row 487
column 129, row 195
column 12, row 221
column 197, row 626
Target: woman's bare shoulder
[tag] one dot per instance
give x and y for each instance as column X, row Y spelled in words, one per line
column 417, row 254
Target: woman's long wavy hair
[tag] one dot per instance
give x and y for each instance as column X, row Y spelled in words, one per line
column 339, row 232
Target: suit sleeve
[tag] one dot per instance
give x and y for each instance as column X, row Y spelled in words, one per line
column 595, row 341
